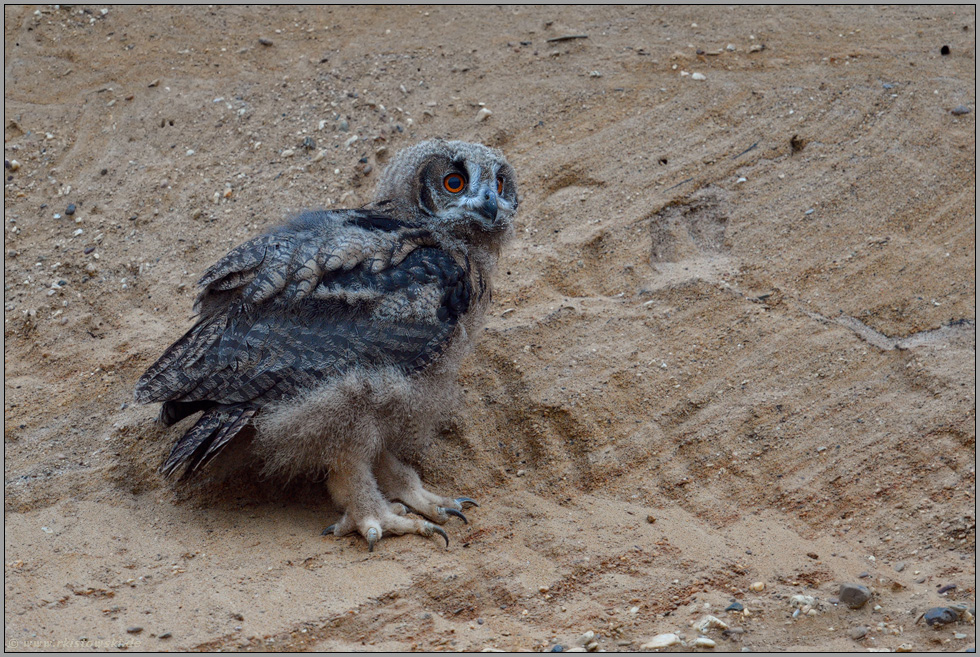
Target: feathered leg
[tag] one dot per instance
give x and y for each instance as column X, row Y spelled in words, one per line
column 353, row 486
column 400, row 482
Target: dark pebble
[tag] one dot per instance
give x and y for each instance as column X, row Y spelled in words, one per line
column 864, row 575
column 735, row 606
column 944, row 50
column 948, row 587
column 854, row 595
column 63, row 283
column 309, row 143
column 940, row 616
column 136, row 629
column 70, row 209
column 89, row 249
column 6, row 164
column 165, row 635
column 557, row 648
column 103, row 172
column 813, row 555
column 265, row 42
column 959, row 110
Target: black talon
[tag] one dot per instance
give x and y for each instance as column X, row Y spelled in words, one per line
column 463, row 501
column 328, row 530
column 454, row 512
column 442, row 532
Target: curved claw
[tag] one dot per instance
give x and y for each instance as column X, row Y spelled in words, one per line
column 463, row 501
column 328, row 530
column 442, row 532
column 373, row 535
column 454, row 512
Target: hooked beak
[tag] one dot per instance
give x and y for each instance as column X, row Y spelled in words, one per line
column 488, row 207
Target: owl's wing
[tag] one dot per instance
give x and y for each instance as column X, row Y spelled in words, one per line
column 289, row 261
column 251, row 346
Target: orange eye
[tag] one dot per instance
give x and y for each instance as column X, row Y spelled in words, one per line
column 454, row 183
column 500, row 185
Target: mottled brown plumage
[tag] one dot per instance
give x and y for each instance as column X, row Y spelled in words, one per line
column 338, row 335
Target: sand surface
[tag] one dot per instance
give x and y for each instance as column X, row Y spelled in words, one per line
column 733, row 341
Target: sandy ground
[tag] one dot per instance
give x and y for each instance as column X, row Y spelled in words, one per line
column 733, row 342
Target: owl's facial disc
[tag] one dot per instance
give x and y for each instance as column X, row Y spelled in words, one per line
column 475, row 192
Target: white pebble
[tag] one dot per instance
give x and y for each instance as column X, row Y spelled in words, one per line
column 698, row 76
column 288, row 153
column 802, row 601
column 661, row 641
column 586, row 637
column 710, row 622
column 483, row 114
column 703, row 642
column 190, row 151
column 14, row 165
column 757, row 586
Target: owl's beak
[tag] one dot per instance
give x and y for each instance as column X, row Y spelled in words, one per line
column 489, row 206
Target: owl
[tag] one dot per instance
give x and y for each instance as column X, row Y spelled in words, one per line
column 338, row 335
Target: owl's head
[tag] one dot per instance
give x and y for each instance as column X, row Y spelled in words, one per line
column 467, row 189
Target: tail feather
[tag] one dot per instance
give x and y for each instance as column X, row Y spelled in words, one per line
column 206, row 438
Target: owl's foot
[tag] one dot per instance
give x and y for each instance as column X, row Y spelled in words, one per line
column 367, row 513
column 373, row 528
column 400, row 482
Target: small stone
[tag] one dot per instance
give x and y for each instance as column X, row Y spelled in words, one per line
column 661, row 641
column 586, row 637
column 265, row 42
column 944, row 589
column 905, row 647
column 735, row 606
column 944, row 50
column 14, row 165
column 859, row 632
column 543, row 589
column 592, row 646
column 483, row 114
column 703, row 642
column 854, row 595
column 557, row 648
column 864, row 575
column 165, row 635
column 698, row 76
column 800, row 601
column 309, row 143
column 940, row 616
column 136, row 629
column 288, row 153
column 757, row 586
column 343, row 126
column 959, row 635
column 155, row 83
column 70, row 210
column 900, row 566
column 960, row 110
column 920, row 580
column 651, row 519
column 709, row 622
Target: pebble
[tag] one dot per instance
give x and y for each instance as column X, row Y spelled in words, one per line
column 900, row 566
column 959, row 635
column 703, row 642
column 757, row 586
column 948, row 587
column 592, row 646
column 343, row 126
column 288, row 153
column 735, row 606
column 265, row 42
column 960, row 109
column 905, row 647
column 557, row 648
column 859, row 632
column 698, row 76
column 70, row 210
column 854, row 595
column 661, row 641
column 944, row 50
column 940, row 616
column 802, row 601
column 136, row 629
column 710, row 622
column 165, row 635
column 586, row 637
column 483, row 114
column 14, row 165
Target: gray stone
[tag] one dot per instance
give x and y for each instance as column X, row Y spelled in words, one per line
column 854, row 595
column 859, row 632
